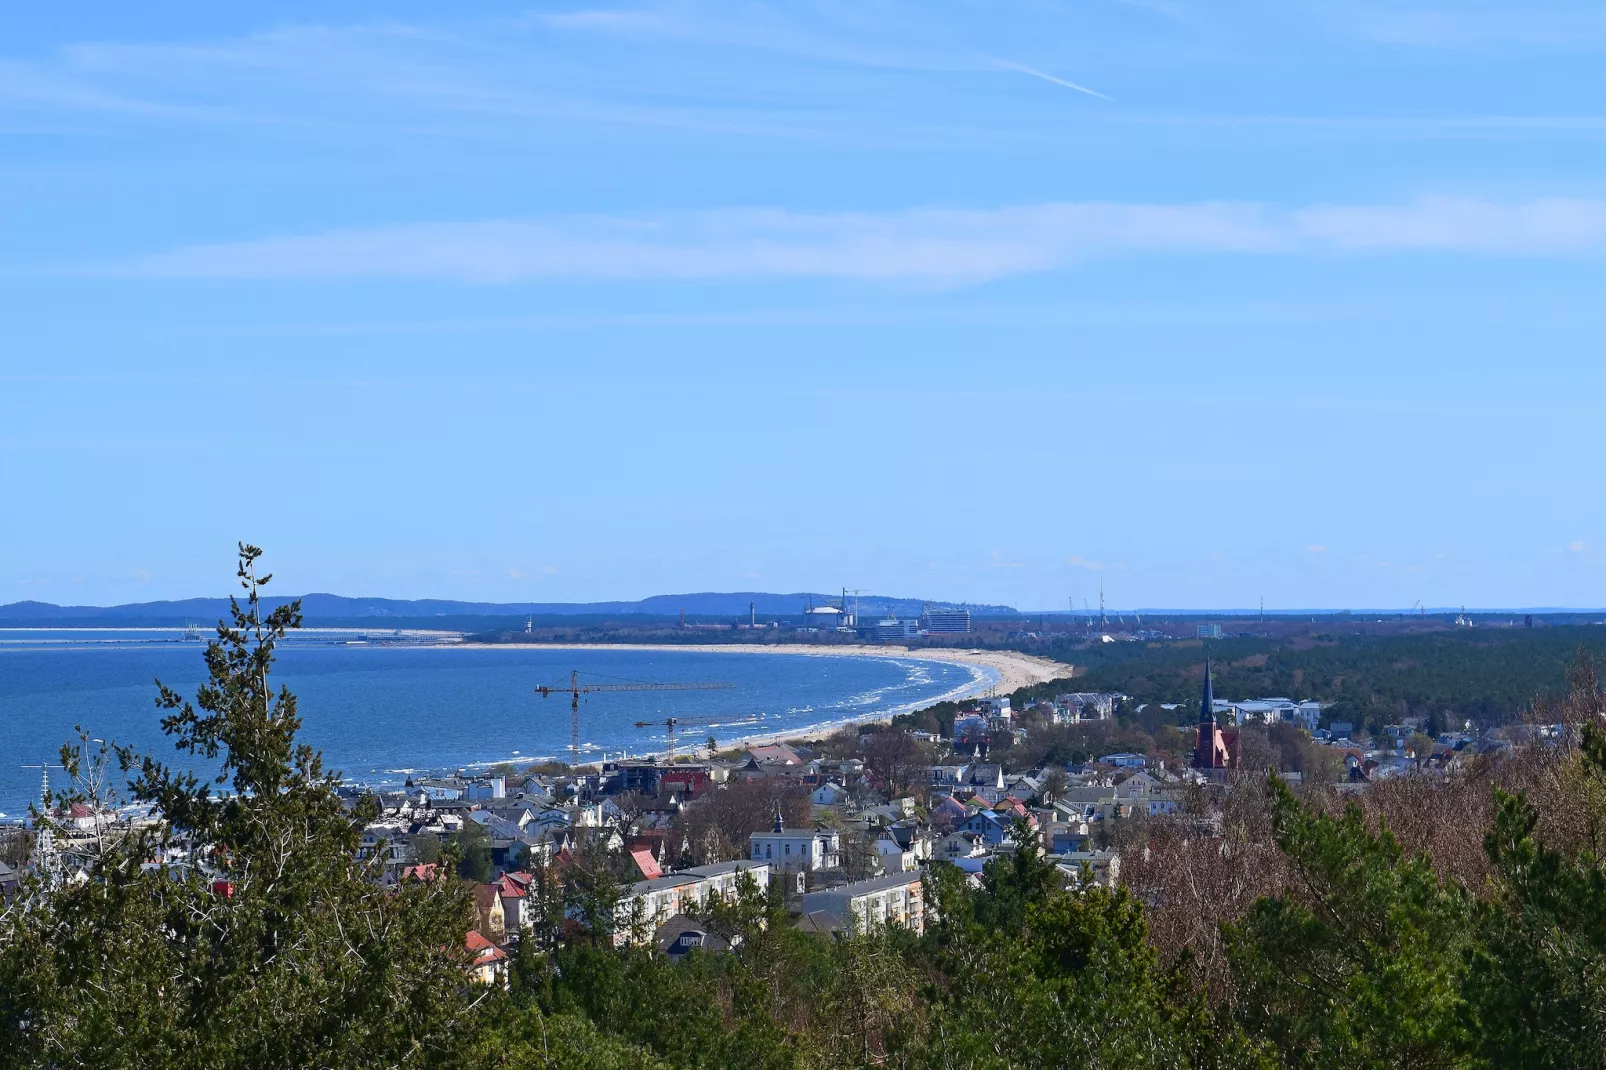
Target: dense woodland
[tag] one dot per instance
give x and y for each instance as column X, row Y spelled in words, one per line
column 1487, row 675
column 1428, row 922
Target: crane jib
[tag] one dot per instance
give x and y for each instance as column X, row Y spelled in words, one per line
column 574, row 689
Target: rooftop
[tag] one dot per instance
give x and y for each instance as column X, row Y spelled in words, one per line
column 873, row 885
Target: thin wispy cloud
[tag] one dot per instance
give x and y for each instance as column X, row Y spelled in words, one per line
column 1023, row 69
column 1480, row 26
column 932, row 246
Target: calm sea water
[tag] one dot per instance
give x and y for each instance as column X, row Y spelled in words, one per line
column 379, row 712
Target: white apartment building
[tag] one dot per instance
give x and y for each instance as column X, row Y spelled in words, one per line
column 1079, row 706
column 650, row 903
column 795, row 850
column 996, row 709
column 896, row 899
column 1272, row 711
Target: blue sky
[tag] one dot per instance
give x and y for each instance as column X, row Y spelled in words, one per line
column 1295, row 300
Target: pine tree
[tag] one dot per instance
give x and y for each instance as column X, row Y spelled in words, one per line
column 240, row 931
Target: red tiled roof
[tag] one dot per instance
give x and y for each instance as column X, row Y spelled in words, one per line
column 647, row 864
column 483, row 949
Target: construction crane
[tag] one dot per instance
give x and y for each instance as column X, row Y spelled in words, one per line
column 574, row 689
column 672, row 723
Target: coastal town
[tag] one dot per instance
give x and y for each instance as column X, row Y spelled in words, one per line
column 842, row 830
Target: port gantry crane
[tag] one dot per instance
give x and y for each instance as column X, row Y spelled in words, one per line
column 574, row 689
column 672, row 723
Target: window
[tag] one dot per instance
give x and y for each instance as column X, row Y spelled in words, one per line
column 766, row 850
column 788, row 848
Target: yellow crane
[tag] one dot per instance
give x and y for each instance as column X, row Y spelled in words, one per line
column 574, row 689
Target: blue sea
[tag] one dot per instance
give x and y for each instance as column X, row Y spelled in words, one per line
column 379, row 710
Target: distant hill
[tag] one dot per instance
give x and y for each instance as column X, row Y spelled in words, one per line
column 332, row 608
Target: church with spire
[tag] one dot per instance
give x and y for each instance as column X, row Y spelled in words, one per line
column 1216, row 748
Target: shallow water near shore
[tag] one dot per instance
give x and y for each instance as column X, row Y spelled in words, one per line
column 378, row 712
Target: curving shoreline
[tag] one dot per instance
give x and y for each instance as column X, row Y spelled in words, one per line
column 1011, row 670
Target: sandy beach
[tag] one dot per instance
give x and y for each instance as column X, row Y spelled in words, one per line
column 1003, row 670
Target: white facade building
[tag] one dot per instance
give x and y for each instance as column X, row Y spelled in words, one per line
column 996, row 708
column 947, row 621
column 796, row 850
column 1306, row 715
column 650, row 903
column 896, row 899
column 1079, row 706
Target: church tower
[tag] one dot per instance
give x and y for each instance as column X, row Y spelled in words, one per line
column 1204, row 750
column 1215, row 749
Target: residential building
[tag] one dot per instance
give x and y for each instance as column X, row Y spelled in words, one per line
column 484, row 790
column 1079, row 706
column 1125, row 760
column 948, row 621
column 960, row 845
column 689, row 781
column 895, row 858
column 1306, row 715
column 996, row 709
column 489, row 917
column 1102, row 868
column 892, row 630
column 796, row 850
column 947, row 811
column 828, row 794
column 514, row 891
column 994, row 827
column 635, row 775
column 1067, row 838
column 895, row 899
column 987, row 775
column 489, row 962
column 681, row 934
column 651, row 903
column 970, row 727
column 390, row 842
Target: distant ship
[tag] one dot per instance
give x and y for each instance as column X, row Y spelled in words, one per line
column 192, row 634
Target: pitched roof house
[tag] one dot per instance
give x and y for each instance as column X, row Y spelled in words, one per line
column 487, row 962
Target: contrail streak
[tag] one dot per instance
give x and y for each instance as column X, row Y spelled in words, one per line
column 1022, row 68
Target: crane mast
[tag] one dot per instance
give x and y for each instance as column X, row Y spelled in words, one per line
column 574, row 689
column 671, row 724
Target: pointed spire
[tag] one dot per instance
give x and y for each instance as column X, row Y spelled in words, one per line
column 1207, row 701
column 779, row 827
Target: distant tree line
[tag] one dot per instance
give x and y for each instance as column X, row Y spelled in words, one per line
column 1488, row 676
